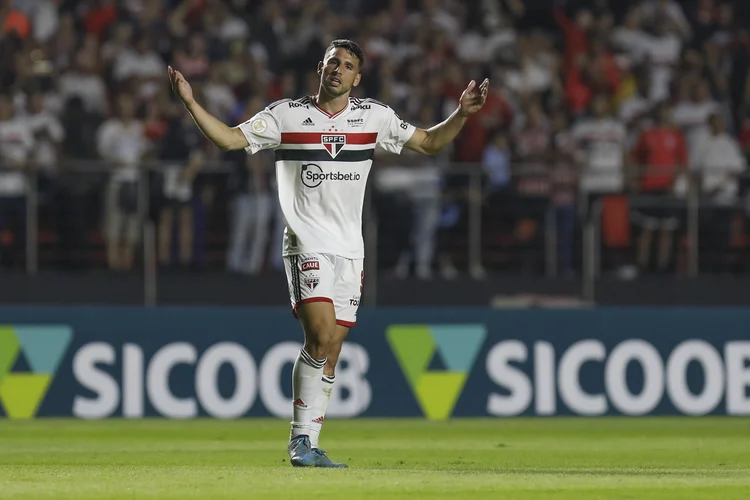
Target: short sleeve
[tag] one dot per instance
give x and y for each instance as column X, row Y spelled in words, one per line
column 262, row 131
column 394, row 132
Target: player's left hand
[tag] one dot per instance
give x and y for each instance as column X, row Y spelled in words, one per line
column 473, row 97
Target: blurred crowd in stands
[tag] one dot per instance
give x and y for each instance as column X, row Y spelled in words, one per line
column 598, row 108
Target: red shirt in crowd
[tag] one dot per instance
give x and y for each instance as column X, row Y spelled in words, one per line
column 98, row 20
column 662, row 153
column 745, row 136
column 496, row 113
column 18, row 22
column 575, row 38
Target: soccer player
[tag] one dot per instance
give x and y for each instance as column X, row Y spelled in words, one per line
column 324, row 145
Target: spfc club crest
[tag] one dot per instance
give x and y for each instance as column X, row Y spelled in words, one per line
column 334, row 143
column 312, row 282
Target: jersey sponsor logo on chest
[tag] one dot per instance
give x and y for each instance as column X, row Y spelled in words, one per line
column 333, row 143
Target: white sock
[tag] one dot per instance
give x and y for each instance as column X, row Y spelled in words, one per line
column 306, row 382
column 326, row 386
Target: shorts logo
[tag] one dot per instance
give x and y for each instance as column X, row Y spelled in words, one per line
column 454, row 348
column 354, row 301
column 29, row 358
column 312, row 282
column 310, row 265
column 333, row 143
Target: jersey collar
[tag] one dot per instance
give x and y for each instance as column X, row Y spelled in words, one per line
column 329, row 115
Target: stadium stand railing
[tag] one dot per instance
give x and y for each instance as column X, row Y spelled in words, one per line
column 517, row 229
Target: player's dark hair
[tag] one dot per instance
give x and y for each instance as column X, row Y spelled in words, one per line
column 351, row 47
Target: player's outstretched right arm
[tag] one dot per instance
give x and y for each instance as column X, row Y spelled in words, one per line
column 224, row 137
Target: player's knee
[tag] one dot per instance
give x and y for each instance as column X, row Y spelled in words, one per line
column 318, row 348
column 333, row 353
column 320, row 340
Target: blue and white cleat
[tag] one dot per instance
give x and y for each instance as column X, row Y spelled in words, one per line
column 300, row 452
column 322, row 460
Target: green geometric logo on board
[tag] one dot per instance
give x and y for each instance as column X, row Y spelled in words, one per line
column 454, row 348
column 29, row 358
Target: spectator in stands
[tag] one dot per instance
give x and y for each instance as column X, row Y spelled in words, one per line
column 659, row 157
column 142, row 64
column 13, row 20
column 43, row 17
column 496, row 164
column 601, row 147
column 692, row 115
column 602, row 71
column 636, row 111
column 576, row 34
column 252, row 207
column 662, row 52
column 394, row 210
column 122, row 143
column 193, row 60
column 16, row 144
column 534, row 73
column 48, row 135
column 499, row 212
column 564, row 191
column 220, row 100
column 630, row 39
column 77, row 188
column 183, row 155
column 85, row 82
column 720, row 162
column 531, row 172
column 666, row 12
column 425, row 181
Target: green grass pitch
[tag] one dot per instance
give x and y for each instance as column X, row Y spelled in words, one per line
column 610, row 458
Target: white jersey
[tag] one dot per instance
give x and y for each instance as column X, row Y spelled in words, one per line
column 322, row 164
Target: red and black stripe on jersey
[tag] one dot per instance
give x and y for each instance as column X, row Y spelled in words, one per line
column 321, row 155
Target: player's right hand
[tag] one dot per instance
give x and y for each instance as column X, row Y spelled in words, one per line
column 180, row 86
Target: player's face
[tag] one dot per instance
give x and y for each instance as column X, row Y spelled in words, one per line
column 339, row 72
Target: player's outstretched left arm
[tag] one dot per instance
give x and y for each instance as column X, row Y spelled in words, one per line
column 432, row 140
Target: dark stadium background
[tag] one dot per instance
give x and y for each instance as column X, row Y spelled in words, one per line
column 489, row 240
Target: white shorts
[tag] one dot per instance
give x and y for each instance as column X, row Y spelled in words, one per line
column 315, row 277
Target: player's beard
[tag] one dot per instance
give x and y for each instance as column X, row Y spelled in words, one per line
column 332, row 91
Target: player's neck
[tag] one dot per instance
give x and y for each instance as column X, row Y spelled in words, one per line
column 331, row 104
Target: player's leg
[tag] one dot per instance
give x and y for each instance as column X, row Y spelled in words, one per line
column 329, row 378
column 310, row 280
column 347, row 295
